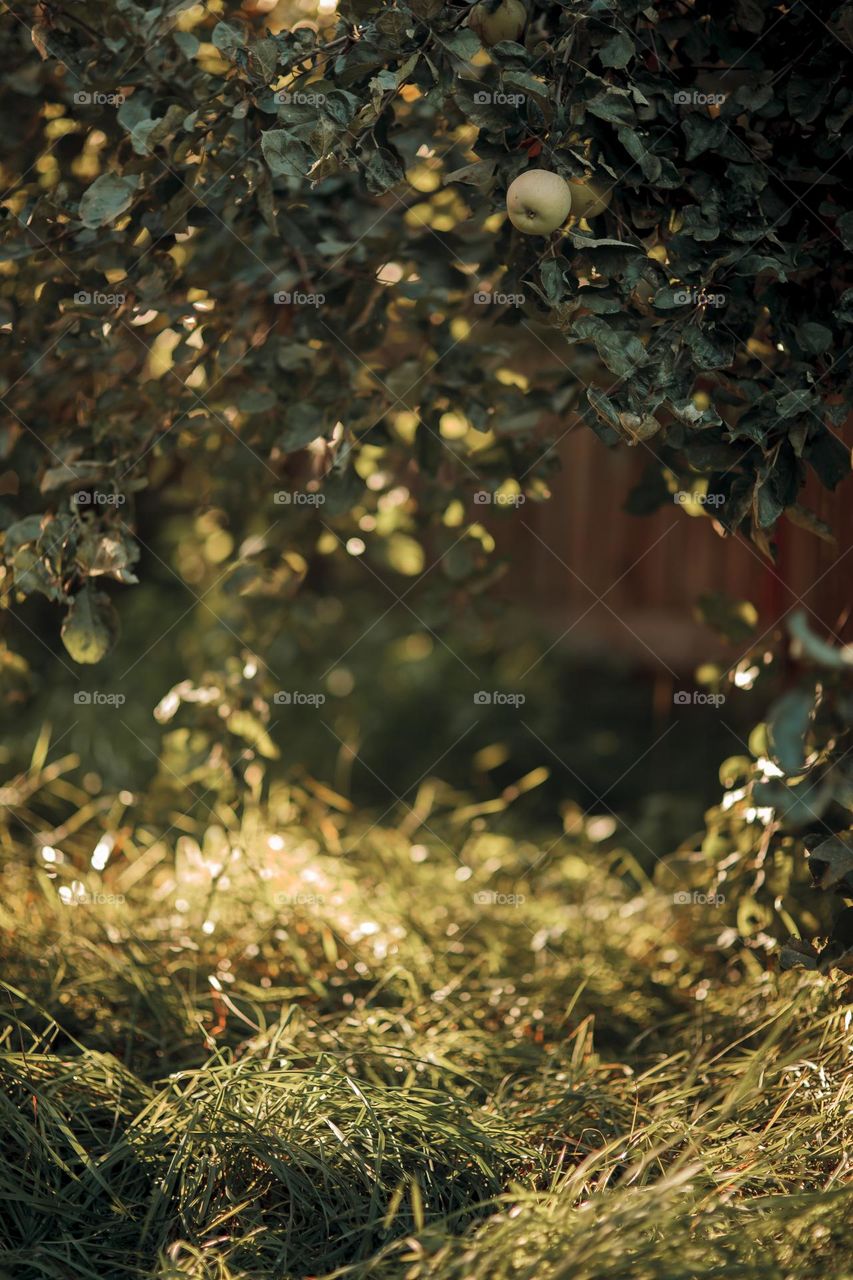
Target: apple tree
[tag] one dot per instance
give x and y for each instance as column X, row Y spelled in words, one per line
column 262, row 261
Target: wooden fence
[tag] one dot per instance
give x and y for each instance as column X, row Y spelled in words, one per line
column 629, row 582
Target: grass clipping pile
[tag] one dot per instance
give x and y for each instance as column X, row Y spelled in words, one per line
column 300, row 1045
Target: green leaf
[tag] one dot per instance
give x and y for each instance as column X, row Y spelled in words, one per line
column 709, row 350
column 383, row 170
column 775, row 489
column 830, row 457
column 621, row 351
column 462, row 44
column 285, row 155
column 814, row 339
column 264, row 58
column 612, row 105
column 186, row 42
column 702, row 133
column 797, row 953
column 831, row 864
column 795, row 403
column 603, row 417
column 107, row 553
column 553, row 285
column 670, row 297
column 106, row 199
column 340, row 106
column 797, row 806
column 637, row 149
column 22, row 532
column 481, row 174
column 523, row 80
column 787, row 726
column 618, row 52
column 844, row 311
column 227, row 39
column 302, row 424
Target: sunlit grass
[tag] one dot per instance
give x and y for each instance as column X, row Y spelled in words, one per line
column 299, row 1044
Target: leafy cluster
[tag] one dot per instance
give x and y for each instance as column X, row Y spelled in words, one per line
column 784, row 827
column 263, row 248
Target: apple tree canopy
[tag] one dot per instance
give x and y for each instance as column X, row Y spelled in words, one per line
column 262, row 251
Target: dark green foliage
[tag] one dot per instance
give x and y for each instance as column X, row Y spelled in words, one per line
column 783, row 829
column 182, row 166
column 242, row 263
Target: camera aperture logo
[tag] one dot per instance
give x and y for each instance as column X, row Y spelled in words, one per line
column 697, row 698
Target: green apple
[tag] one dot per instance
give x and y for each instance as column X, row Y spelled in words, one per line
column 495, row 22
column 589, row 199
column 538, row 202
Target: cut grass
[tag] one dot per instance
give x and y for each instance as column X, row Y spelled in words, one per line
column 403, row 1051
